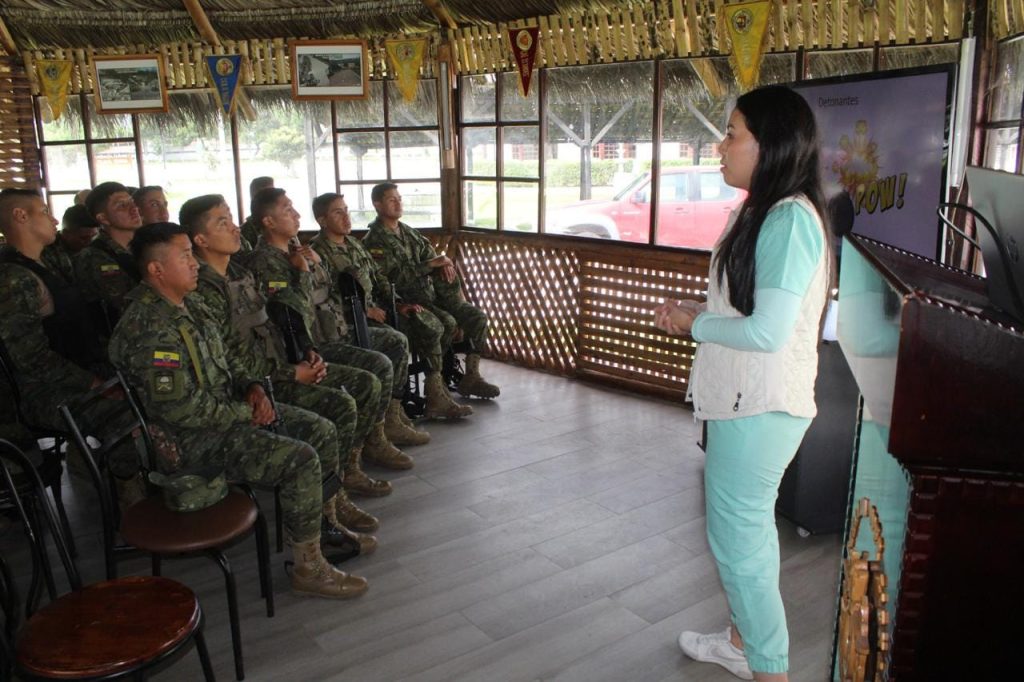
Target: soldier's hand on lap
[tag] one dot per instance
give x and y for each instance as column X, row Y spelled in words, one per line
column 448, row 273
column 408, row 309
column 262, row 410
column 377, row 314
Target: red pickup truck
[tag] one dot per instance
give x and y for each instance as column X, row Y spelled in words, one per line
column 694, row 206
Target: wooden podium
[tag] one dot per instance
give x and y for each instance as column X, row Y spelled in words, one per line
column 940, row 455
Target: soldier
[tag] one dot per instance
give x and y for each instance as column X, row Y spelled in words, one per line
column 250, row 230
column 231, row 292
column 105, row 270
column 173, row 354
column 342, row 253
column 49, row 337
column 78, row 229
column 293, row 276
column 422, row 277
column 152, row 204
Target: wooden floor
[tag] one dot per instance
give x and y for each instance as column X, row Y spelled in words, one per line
column 558, row 534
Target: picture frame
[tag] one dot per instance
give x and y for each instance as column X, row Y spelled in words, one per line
column 329, row 69
column 129, row 84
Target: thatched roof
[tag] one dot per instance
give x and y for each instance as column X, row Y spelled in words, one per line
column 102, row 23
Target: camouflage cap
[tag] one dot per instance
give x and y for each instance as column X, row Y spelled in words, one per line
column 190, row 492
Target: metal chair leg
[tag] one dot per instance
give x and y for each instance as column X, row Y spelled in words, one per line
column 154, row 560
column 236, row 634
column 263, row 557
column 58, row 499
column 204, row 655
column 278, row 519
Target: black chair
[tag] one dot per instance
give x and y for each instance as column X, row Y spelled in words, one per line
column 50, row 466
column 112, row 629
column 151, row 527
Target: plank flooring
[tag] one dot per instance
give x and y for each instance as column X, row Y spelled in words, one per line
column 557, row 534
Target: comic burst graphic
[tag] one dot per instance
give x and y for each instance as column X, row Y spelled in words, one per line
column 856, row 162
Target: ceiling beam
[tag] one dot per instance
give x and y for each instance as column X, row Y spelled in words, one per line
column 6, row 40
column 207, row 32
column 441, row 13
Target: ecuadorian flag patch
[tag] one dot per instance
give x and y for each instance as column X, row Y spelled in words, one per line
column 165, row 358
column 109, row 269
column 377, row 253
column 276, row 286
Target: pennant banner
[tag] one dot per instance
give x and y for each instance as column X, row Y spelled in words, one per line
column 747, row 23
column 225, row 70
column 54, row 77
column 524, row 50
column 406, row 57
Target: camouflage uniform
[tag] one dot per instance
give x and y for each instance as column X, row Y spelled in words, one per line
column 403, row 259
column 250, row 235
column 55, row 352
column 105, row 272
column 175, row 357
column 363, row 371
column 57, row 257
column 354, row 259
column 258, row 345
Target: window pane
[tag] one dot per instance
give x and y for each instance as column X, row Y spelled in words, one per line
column 421, row 203
column 415, row 155
column 480, row 203
column 361, row 157
column 186, row 162
column 59, row 203
column 477, row 98
column 68, row 126
column 360, row 206
column 362, row 113
column 1008, row 81
column 422, row 111
column 117, row 162
column 66, row 167
column 1001, row 149
column 515, row 107
column 519, row 153
column 838, row 63
column 478, row 151
column 917, row 55
column 598, row 129
column 519, row 208
column 107, row 126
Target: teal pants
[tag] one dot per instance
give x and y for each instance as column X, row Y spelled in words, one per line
column 745, row 461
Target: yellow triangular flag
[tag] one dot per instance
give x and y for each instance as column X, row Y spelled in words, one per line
column 406, row 57
column 54, row 77
column 747, row 23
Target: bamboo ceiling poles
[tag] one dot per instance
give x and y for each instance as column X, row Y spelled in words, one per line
column 6, row 41
column 439, row 11
column 208, row 33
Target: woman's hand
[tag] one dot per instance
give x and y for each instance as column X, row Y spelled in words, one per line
column 676, row 317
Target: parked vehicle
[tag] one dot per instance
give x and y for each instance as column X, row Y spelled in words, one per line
column 694, row 206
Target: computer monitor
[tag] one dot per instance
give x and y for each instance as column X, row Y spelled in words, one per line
column 999, row 198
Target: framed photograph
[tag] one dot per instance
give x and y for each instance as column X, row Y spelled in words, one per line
column 329, row 69
column 129, row 84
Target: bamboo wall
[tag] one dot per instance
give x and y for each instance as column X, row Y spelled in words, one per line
column 19, row 158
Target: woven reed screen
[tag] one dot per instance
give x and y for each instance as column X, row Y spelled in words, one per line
column 581, row 309
column 19, row 159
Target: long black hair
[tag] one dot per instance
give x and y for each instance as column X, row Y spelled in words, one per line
column 787, row 165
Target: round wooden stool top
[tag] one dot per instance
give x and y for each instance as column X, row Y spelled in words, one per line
column 108, row 628
column 152, row 527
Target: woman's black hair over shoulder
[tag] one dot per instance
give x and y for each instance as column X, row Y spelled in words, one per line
column 783, row 125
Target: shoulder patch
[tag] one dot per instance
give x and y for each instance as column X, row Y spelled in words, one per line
column 163, row 382
column 166, row 358
column 107, row 269
column 277, row 285
column 377, row 253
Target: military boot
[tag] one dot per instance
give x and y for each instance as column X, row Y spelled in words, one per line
column 333, row 533
column 351, row 516
column 379, row 450
column 440, row 404
column 473, row 384
column 357, row 482
column 398, row 431
column 312, row 576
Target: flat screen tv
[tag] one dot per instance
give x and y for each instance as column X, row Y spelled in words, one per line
column 884, row 139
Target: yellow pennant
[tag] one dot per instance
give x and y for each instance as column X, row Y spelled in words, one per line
column 747, row 23
column 54, row 77
column 406, row 57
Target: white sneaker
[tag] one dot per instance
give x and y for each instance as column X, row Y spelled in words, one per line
column 716, row 648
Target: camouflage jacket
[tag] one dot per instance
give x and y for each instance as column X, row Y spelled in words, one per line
column 57, row 257
column 239, row 309
column 250, row 234
column 25, row 304
column 310, row 294
column 403, row 258
column 354, row 259
column 105, row 271
column 176, row 359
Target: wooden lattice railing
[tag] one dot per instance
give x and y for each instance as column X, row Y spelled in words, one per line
column 583, row 308
column 19, row 158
